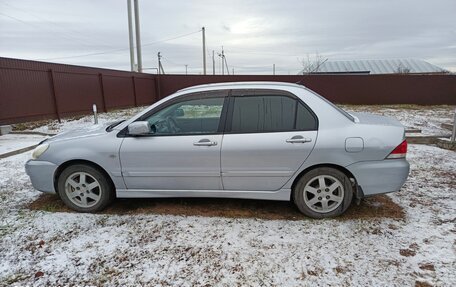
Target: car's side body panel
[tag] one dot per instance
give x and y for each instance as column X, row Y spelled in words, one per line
column 380, row 176
column 379, row 137
column 263, row 161
column 281, row 194
column 41, row 174
column 95, row 146
column 171, row 162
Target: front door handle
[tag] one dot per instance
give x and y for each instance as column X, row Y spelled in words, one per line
column 299, row 139
column 205, row 142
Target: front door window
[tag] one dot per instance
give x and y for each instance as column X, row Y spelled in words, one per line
column 191, row 117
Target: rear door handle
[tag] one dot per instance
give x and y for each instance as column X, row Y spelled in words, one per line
column 299, row 139
column 204, row 142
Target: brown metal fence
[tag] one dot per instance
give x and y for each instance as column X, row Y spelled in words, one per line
column 31, row 90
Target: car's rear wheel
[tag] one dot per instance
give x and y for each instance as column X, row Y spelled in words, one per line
column 84, row 188
column 323, row 192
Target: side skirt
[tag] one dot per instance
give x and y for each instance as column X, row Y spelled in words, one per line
column 282, row 194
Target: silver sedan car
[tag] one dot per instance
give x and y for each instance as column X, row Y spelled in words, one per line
column 256, row 140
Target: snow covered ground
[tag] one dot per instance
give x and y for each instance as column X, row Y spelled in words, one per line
column 426, row 118
column 11, row 142
column 50, row 246
column 44, row 248
column 53, row 126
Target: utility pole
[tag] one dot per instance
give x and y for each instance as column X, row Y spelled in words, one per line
column 222, row 61
column 186, row 69
column 273, row 69
column 213, row 63
column 227, row 70
column 160, row 67
column 233, row 72
column 204, row 50
column 130, row 37
column 138, row 36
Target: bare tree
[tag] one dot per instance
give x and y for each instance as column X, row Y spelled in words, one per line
column 401, row 69
column 312, row 64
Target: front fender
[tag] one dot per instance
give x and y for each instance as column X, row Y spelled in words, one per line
column 101, row 150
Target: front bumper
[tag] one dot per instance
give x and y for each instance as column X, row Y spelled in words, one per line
column 383, row 176
column 41, row 174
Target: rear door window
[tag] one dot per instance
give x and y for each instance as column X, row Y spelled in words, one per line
column 269, row 113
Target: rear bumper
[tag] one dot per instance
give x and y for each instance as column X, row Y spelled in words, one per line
column 41, row 174
column 383, row 176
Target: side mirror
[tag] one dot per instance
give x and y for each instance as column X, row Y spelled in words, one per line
column 139, row 128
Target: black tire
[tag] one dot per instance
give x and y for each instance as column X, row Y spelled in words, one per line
column 104, row 189
column 328, row 174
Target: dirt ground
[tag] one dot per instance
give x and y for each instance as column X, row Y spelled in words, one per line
column 380, row 206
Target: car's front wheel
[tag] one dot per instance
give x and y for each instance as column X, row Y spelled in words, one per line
column 84, row 188
column 323, row 192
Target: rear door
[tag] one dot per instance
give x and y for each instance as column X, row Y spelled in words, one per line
column 268, row 136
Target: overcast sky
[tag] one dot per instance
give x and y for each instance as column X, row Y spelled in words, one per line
column 255, row 34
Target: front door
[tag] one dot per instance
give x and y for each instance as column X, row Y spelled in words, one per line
column 269, row 136
column 183, row 150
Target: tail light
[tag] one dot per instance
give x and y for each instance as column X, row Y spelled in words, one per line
column 400, row 151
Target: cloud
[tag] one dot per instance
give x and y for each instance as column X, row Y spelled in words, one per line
column 255, row 34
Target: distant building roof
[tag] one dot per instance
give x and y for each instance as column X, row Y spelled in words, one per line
column 377, row 67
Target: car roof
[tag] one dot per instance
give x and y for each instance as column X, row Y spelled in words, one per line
column 240, row 85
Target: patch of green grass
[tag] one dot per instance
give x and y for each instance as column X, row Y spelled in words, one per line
column 30, row 125
column 50, row 207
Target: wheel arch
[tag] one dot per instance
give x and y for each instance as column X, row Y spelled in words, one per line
column 66, row 164
column 335, row 166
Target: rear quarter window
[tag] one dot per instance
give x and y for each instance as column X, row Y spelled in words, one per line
column 305, row 120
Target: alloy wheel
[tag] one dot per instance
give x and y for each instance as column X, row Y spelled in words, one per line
column 83, row 189
column 323, row 193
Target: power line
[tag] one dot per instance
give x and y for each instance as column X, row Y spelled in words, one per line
column 168, row 39
column 172, row 62
column 75, row 38
column 57, row 33
column 53, row 26
column 28, row 23
column 120, row 49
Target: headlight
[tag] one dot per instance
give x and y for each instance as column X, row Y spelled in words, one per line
column 39, row 150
